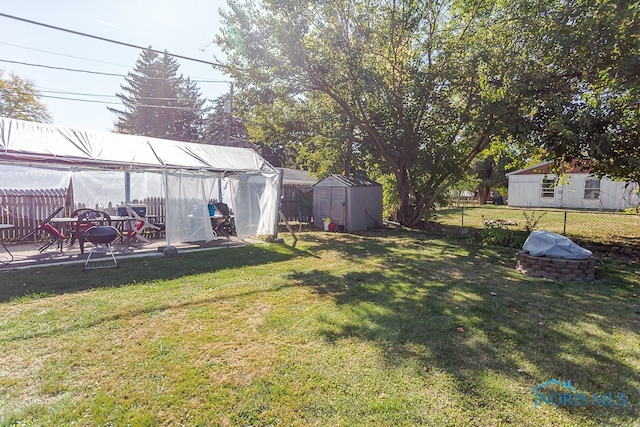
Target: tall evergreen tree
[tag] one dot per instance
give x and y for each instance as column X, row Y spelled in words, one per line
column 159, row 102
column 190, row 123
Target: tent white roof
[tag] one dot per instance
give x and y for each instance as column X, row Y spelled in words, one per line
column 29, row 142
column 190, row 172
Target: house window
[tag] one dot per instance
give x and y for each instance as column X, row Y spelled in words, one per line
column 592, row 189
column 548, row 189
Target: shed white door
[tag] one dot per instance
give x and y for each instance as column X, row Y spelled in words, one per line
column 329, row 202
column 338, row 205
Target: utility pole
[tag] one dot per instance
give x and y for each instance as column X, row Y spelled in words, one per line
column 228, row 108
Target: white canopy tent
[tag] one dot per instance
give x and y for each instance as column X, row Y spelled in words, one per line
column 108, row 168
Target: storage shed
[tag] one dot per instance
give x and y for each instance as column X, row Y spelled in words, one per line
column 352, row 202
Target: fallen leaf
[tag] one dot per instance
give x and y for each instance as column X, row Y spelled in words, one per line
column 521, row 370
column 512, row 308
column 494, row 294
column 460, row 329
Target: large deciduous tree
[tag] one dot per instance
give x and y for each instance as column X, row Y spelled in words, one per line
column 592, row 52
column 19, row 100
column 425, row 85
column 160, row 103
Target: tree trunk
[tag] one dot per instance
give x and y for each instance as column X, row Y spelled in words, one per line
column 402, row 185
column 484, row 195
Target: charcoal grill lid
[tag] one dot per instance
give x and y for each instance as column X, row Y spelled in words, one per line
column 101, row 234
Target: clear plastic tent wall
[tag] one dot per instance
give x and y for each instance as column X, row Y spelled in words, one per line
column 111, row 169
column 104, row 188
column 255, row 203
column 187, row 212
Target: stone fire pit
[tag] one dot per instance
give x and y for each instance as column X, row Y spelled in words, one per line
column 550, row 255
column 556, row 268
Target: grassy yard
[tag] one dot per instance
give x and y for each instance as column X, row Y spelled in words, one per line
column 377, row 329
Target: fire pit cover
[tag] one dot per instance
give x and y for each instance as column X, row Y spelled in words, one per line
column 546, row 243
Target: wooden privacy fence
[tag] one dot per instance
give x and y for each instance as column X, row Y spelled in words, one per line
column 155, row 206
column 297, row 203
column 25, row 209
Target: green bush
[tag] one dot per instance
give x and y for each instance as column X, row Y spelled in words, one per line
column 499, row 236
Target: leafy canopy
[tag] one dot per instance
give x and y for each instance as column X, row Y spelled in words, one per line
column 19, row 100
column 423, row 84
column 592, row 59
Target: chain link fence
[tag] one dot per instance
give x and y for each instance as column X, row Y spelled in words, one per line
column 608, row 228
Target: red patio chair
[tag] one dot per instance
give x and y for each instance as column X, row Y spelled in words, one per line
column 55, row 235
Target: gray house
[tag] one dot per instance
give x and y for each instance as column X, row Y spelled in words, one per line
column 353, row 203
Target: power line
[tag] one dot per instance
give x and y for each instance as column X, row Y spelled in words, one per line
column 164, row 107
column 196, row 78
column 62, row 68
column 79, row 99
column 76, row 93
column 100, row 72
column 214, row 64
column 144, row 98
column 63, row 54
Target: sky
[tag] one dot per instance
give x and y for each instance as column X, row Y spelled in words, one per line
column 182, row 27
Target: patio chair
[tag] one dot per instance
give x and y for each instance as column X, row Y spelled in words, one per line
column 225, row 224
column 137, row 229
column 55, row 236
column 87, row 218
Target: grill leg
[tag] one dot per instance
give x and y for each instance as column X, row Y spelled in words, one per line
column 108, row 252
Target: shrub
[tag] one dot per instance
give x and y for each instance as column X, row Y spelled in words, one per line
column 531, row 220
column 500, row 236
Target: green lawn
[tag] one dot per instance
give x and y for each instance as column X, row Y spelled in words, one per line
column 377, row 329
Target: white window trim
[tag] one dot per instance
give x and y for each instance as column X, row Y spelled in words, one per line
column 548, row 191
column 592, row 189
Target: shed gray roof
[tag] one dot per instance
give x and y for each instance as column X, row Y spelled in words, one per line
column 297, row 177
column 348, row 181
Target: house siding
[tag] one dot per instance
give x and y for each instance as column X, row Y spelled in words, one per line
column 525, row 190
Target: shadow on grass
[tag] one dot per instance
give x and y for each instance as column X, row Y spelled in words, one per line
column 53, row 280
column 462, row 309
